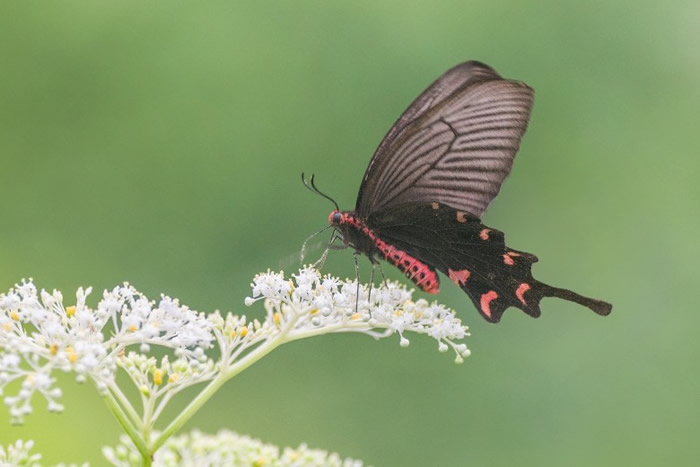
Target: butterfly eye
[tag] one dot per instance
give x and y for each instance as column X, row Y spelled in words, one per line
column 335, row 218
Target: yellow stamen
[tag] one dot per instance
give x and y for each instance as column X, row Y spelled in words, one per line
column 277, row 318
column 356, row 316
column 72, row 356
column 8, row 326
column 158, row 377
column 314, row 311
column 244, row 331
column 53, row 348
column 14, row 314
column 233, row 334
column 70, row 311
column 133, row 328
column 173, row 378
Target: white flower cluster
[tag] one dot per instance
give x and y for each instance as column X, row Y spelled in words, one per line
column 312, row 305
column 226, row 448
column 39, row 335
column 18, row 454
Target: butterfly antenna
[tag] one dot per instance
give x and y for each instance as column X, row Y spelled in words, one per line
column 312, row 187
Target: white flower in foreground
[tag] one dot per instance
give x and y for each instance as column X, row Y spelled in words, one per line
column 226, row 448
column 18, row 454
column 40, row 334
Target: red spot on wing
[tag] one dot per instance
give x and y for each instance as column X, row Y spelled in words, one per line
column 486, row 300
column 508, row 260
column 484, row 234
column 522, row 288
column 459, row 277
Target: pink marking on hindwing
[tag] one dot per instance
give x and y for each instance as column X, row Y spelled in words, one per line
column 508, row 257
column 522, row 288
column 484, row 234
column 486, row 300
column 459, row 277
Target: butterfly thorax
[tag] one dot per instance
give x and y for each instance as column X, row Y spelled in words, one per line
column 357, row 234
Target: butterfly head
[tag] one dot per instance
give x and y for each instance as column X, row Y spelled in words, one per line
column 335, row 218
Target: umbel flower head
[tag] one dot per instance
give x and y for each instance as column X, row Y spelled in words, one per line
column 41, row 334
column 197, row 448
column 322, row 305
column 226, row 448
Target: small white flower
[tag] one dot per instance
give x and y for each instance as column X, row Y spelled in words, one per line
column 18, row 454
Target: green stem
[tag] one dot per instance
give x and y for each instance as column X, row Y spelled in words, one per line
column 124, row 404
column 217, row 382
column 130, row 430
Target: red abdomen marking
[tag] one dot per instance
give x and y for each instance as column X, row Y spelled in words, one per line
column 420, row 273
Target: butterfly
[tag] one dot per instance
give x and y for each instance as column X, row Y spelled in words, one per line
column 430, row 180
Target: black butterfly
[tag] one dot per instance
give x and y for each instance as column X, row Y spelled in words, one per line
column 432, row 177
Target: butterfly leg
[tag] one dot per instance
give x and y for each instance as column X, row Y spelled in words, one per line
column 322, row 260
column 302, row 253
column 357, row 279
column 381, row 271
column 371, row 283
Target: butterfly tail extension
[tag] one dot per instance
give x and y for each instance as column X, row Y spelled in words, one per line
column 598, row 306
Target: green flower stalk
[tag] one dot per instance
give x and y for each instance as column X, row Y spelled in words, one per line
column 39, row 335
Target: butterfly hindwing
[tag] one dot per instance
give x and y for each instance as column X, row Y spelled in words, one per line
column 472, row 255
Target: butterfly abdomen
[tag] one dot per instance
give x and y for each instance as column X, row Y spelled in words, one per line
column 358, row 235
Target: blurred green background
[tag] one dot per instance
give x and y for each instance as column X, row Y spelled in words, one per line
column 162, row 142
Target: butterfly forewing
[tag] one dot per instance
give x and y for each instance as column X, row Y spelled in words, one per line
column 455, row 144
